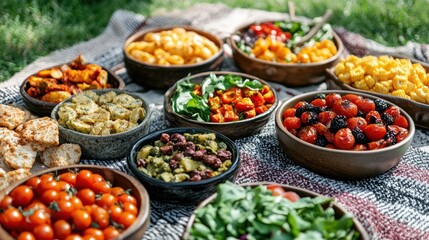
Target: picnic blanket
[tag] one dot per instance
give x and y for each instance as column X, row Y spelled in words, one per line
column 394, row 205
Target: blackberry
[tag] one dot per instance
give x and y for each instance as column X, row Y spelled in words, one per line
column 309, row 117
column 387, row 118
column 321, row 141
column 312, row 108
column 374, row 120
column 360, row 114
column 390, row 137
column 337, row 123
column 359, row 136
column 380, row 105
column 299, row 111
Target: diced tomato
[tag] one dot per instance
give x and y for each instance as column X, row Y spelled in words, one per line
column 261, row 109
column 249, row 114
column 217, row 117
column 276, row 189
column 269, row 97
column 257, row 99
column 265, row 89
column 230, row 116
column 214, row 103
column 227, row 107
column 197, row 90
column 228, row 96
column 291, row 196
column 244, row 105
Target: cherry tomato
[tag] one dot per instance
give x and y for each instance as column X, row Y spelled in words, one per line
column 64, row 210
column 352, row 97
column 106, row 200
column 393, row 111
column 365, row 105
column 6, row 202
column 73, row 237
column 100, row 216
column 308, row 134
column 69, row 177
column 346, row 108
column 44, row 232
column 344, row 139
column 39, row 217
column 377, row 144
column 46, row 185
column 300, row 104
column 76, row 202
column 96, row 233
column 37, row 204
column 291, row 196
column 326, row 116
column 12, row 218
column 373, row 117
column 87, row 196
column 127, row 198
column 63, row 185
column 356, row 122
column 331, row 98
column 321, row 128
column 131, row 208
column 26, row 236
column 81, row 219
column 290, row 112
column 116, row 191
column 115, row 212
column 97, row 177
column 401, row 121
column 84, row 179
column 49, row 196
column 126, row 219
column 375, row 132
column 292, row 123
column 62, row 229
column 360, row 147
column 403, row 133
column 33, row 182
column 319, row 102
column 111, row 233
column 64, row 196
column 329, row 136
column 47, row 177
column 101, row 187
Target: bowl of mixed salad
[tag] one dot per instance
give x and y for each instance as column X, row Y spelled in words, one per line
column 273, row 50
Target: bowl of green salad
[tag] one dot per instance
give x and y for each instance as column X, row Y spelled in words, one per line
column 265, row 210
column 234, row 104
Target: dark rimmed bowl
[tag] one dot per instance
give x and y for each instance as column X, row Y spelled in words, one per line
column 336, row 163
column 42, row 108
column 162, row 77
column 419, row 112
column 288, row 74
column 339, row 210
column 186, row 193
column 116, row 178
column 234, row 130
column 113, row 146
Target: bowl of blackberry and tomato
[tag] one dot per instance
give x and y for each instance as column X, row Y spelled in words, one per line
column 158, row 57
column 183, row 165
column 270, row 50
column 232, row 103
column 79, row 201
column 343, row 134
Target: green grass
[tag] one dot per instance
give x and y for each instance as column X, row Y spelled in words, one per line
column 31, row 29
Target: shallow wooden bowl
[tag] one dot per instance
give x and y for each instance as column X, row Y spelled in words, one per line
column 339, row 210
column 162, row 77
column 43, row 108
column 238, row 129
column 116, row 178
column 288, row 74
column 336, row 163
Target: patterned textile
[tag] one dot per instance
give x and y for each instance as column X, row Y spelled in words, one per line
column 394, row 205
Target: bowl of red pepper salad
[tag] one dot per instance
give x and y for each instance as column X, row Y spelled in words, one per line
column 234, row 104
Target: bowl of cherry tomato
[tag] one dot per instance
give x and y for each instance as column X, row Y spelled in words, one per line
column 79, row 201
column 158, row 57
column 232, row 103
column 343, row 134
column 269, row 50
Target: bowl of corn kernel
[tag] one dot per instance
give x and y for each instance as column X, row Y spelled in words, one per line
column 400, row 80
column 158, row 57
column 270, row 50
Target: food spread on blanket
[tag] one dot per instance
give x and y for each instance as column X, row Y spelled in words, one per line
column 276, row 42
column 23, row 138
column 223, row 98
column 268, row 212
column 177, row 46
column 79, row 204
column 386, row 75
column 184, row 157
column 348, row 122
column 59, row 83
column 103, row 114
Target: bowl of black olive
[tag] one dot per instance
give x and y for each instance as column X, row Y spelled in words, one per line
column 183, row 165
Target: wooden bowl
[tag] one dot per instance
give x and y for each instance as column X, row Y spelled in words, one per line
column 116, row 178
column 288, row 74
column 43, row 108
column 419, row 112
column 339, row 210
column 336, row 163
column 108, row 147
column 232, row 130
column 185, row 193
column 162, row 77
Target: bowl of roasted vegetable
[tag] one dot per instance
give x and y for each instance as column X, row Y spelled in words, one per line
column 158, row 57
column 265, row 210
column 234, row 104
column 272, row 51
column 343, row 134
column 183, row 165
column 75, row 202
column 400, row 80
column 103, row 122
column 42, row 91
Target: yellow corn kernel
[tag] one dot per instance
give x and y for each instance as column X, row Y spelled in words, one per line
column 400, row 93
column 414, row 96
column 340, row 68
column 380, row 88
column 388, row 84
column 356, row 74
column 370, row 81
column 344, row 77
column 361, row 84
column 400, row 82
column 349, row 66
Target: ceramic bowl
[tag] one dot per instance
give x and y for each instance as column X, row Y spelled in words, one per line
column 419, row 112
column 162, row 77
column 288, row 74
column 108, row 147
column 116, row 178
column 337, row 163
column 234, row 130
column 186, row 193
column 339, row 210
column 43, row 108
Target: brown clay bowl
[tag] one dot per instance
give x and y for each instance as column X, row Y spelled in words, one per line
column 337, row 163
column 162, row 77
column 419, row 112
column 234, row 130
column 43, row 108
column 339, row 210
column 116, row 178
column 288, row 74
